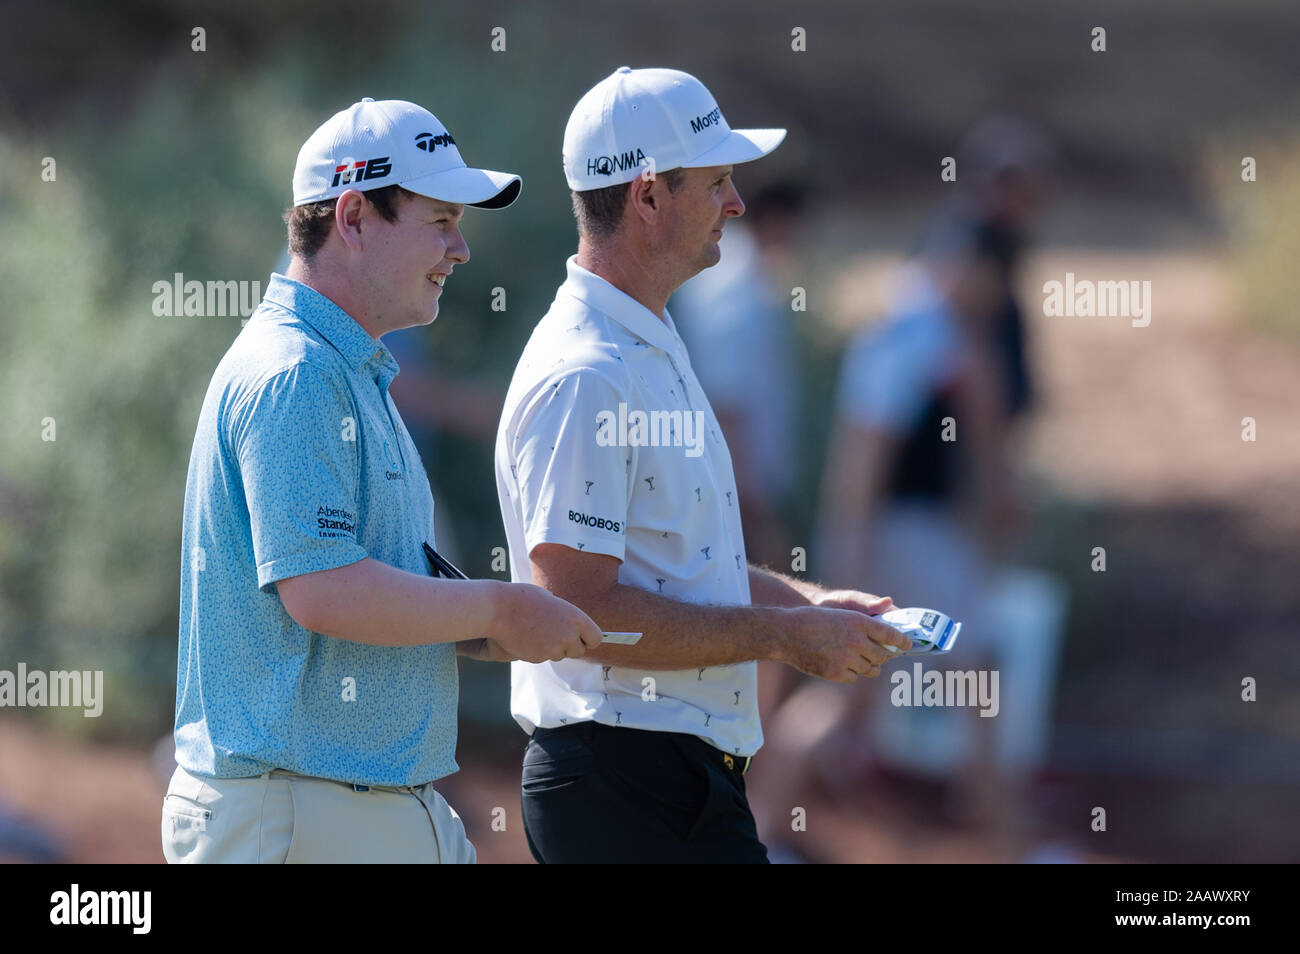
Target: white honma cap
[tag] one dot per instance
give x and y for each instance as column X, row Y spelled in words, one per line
column 657, row 119
column 373, row 144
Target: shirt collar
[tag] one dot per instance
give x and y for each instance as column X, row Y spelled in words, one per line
column 594, row 291
column 363, row 353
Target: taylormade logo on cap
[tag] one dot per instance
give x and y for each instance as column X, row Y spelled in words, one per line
column 654, row 119
column 372, row 144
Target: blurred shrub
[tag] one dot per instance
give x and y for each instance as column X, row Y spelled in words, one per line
column 1263, row 241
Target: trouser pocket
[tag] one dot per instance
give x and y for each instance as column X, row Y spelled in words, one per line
column 556, row 760
column 226, row 820
column 184, row 823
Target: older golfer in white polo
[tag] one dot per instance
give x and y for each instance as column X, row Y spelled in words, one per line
column 617, row 492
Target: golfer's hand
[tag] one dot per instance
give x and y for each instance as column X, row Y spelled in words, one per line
column 867, row 603
column 533, row 625
column 837, row 644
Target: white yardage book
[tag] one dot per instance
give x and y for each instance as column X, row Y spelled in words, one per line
column 929, row 630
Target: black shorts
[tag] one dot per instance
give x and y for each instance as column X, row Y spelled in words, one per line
column 595, row 793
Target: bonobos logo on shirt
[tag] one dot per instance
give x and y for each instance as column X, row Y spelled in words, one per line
column 600, row 523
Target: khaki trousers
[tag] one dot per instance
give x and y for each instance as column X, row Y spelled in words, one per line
column 284, row 818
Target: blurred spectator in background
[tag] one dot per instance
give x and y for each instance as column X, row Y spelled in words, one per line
column 735, row 319
column 919, row 496
column 1002, row 183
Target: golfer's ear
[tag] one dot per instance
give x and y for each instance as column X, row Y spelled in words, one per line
column 349, row 211
column 644, row 196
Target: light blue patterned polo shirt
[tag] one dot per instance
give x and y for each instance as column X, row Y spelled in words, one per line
column 301, row 463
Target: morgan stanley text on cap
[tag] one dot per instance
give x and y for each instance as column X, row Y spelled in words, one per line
column 657, row 119
column 372, row 144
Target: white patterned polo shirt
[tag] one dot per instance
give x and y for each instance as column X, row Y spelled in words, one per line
column 607, row 444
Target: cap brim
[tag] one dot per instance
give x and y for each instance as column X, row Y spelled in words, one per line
column 481, row 188
column 742, row 145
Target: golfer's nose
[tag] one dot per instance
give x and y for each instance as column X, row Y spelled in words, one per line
column 458, row 248
column 732, row 205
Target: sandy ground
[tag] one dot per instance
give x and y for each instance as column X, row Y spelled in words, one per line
column 102, row 804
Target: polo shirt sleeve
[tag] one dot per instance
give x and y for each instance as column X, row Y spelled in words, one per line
column 295, row 440
column 573, row 485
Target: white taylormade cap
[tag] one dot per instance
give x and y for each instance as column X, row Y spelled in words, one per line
column 655, row 118
column 372, row 144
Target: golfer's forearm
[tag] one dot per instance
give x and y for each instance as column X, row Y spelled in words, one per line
column 372, row 602
column 769, row 588
column 678, row 635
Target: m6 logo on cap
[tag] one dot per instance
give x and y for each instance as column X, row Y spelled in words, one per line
column 364, row 169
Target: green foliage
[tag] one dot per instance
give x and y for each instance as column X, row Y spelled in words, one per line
column 90, row 556
column 1263, row 242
